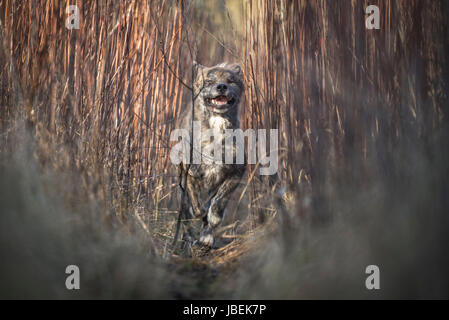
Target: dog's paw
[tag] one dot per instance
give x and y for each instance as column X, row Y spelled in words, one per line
column 207, row 239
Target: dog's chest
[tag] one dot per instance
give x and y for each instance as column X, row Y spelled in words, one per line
column 215, row 172
column 215, row 136
column 219, row 123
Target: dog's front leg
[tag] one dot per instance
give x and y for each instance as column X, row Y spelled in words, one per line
column 193, row 192
column 216, row 209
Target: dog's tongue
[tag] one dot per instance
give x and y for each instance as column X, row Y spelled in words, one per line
column 220, row 100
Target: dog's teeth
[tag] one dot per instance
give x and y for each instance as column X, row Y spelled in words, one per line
column 221, row 100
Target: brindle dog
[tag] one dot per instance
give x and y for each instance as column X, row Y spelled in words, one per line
column 208, row 186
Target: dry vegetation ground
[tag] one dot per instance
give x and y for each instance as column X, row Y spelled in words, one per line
column 363, row 163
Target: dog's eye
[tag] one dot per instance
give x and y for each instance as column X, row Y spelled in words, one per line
column 208, row 82
column 230, row 81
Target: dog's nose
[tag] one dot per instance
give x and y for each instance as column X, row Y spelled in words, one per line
column 222, row 87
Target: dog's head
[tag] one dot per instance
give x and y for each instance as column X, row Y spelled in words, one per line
column 220, row 87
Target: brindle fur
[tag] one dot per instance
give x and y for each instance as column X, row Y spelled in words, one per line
column 209, row 186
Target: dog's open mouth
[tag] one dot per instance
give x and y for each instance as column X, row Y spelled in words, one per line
column 220, row 101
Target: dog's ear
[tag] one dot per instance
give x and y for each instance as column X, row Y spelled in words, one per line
column 237, row 69
column 197, row 68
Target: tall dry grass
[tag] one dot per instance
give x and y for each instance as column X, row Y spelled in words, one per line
column 349, row 101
